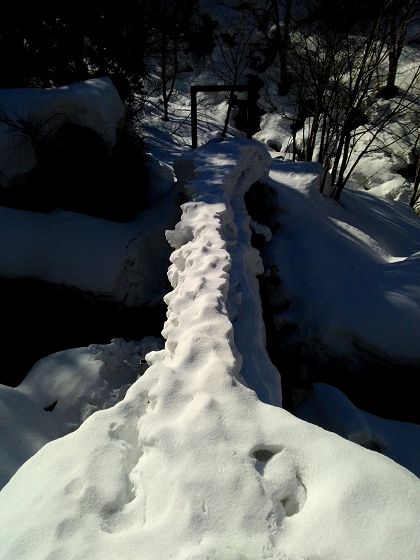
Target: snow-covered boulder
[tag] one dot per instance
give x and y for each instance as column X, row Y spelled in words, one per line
column 35, row 112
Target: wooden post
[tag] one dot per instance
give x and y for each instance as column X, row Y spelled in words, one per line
column 194, row 137
column 251, row 106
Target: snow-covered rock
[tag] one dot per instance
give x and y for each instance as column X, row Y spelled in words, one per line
column 191, row 464
column 94, row 104
column 125, row 262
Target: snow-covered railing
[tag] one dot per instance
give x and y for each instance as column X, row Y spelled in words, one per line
column 216, row 295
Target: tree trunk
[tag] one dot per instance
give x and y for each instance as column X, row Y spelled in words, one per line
column 340, row 184
column 283, row 44
column 390, row 89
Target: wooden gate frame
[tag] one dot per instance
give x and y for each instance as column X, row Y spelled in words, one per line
column 251, row 105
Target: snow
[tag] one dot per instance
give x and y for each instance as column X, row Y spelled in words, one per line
column 191, row 464
column 336, row 261
column 275, row 132
column 328, row 407
column 223, row 206
column 125, row 262
column 73, row 383
column 94, row 104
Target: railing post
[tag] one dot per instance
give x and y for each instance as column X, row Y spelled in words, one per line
column 252, row 115
column 194, row 138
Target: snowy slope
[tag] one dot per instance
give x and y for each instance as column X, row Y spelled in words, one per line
column 350, row 270
column 191, row 464
column 329, row 408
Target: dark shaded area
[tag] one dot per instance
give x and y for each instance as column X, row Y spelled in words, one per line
column 372, row 383
column 408, row 171
column 52, row 43
column 51, row 407
column 76, row 172
column 289, row 373
column 40, row 319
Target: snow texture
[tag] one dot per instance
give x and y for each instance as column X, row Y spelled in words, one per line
column 124, row 262
column 60, row 392
column 336, row 261
column 94, row 104
column 191, row 465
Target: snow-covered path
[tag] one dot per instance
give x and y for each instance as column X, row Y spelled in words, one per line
column 192, row 465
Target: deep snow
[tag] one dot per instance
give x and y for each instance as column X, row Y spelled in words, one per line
column 350, row 270
column 191, row 464
column 124, row 262
column 60, row 392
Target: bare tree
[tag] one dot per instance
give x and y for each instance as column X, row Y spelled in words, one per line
column 415, row 197
column 233, row 48
column 399, row 13
column 169, row 27
column 337, row 77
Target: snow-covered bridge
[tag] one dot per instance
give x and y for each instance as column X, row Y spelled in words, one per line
column 199, row 461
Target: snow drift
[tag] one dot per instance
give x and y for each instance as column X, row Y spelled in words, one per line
column 123, row 262
column 192, row 464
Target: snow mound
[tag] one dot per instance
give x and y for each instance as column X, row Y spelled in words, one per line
column 59, row 393
column 359, row 255
column 191, row 464
column 94, row 104
column 124, row 262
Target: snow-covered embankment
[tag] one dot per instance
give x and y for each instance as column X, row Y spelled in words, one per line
column 192, row 464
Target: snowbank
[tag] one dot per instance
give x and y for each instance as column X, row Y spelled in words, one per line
column 60, row 392
column 125, row 262
column 94, row 104
column 329, row 408
column 191, row 464
column 350, row 271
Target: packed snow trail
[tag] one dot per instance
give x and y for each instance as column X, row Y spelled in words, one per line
column 192, row 465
